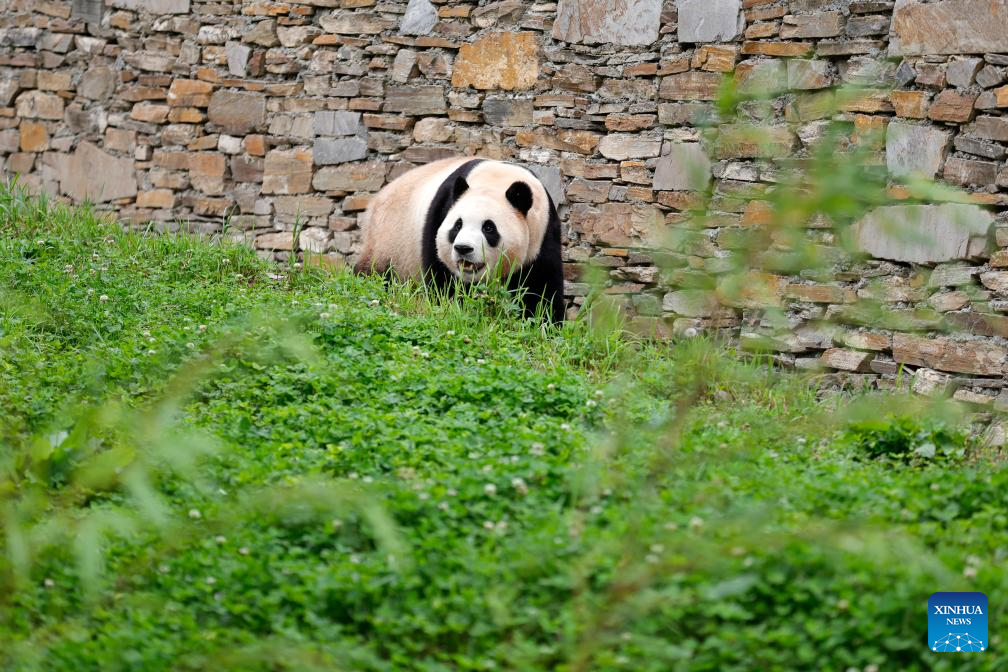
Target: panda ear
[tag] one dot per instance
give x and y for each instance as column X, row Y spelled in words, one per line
column 519, row 195
column 459, row 188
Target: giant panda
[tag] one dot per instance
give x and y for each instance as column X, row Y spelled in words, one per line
column 464, row 218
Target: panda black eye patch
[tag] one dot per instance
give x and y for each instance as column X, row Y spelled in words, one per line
column 454, row 231
column 490, row 233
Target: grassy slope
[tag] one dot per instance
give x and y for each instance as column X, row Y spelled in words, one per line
column 433, row 487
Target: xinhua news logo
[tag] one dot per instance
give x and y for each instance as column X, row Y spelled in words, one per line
column 957, row 622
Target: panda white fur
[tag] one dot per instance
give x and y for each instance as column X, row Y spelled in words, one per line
column 462, row 218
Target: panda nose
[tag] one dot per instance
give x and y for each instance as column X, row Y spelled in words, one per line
column 463, row 250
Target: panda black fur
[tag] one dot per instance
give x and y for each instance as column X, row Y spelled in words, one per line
column 462, row 217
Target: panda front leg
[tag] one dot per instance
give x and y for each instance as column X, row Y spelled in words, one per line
column 541, row 287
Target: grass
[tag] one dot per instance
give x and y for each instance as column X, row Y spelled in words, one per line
column 211, row 462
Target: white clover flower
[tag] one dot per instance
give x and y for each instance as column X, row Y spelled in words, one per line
column 190, row 345
column 103, row 297
column 599, row 393
column 243, row 550
column 90, row 291
column 211, row 580
column 152, row 352
column 520, row 485
column 970, row 572
column 481, row 361
column 49, row 583
column 146, row 334
column 657, row 548
column 163, row 569
column 202, row 327
column 591, row 403
column 451, row 492
column 565, row 426
column 195, row 514
column 220, row 539
column 490, row 489
column 651, row 558
column 443, row 506
column 323, row 316
column 696, row 522
column 374, row 302
column 450, row 332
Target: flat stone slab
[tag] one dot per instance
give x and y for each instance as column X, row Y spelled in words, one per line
column 97, row 176
column 419, row 18
column 949, row 27
column 331, row 123
column 237, row 112
column 925, row 234
column 330, row 151
column 685, row 167
column 710, row 20
column 153, row 6
column 508, row 61
column 915, row 149
column 368, row 176
column 619, row 22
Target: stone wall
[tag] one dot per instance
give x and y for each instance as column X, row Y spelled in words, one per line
column 261, row 113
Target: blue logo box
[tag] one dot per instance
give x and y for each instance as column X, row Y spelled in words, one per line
column 957, row 622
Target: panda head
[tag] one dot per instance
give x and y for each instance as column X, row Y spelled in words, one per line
column 487, row 230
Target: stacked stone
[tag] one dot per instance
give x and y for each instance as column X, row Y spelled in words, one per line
column 257, row 118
